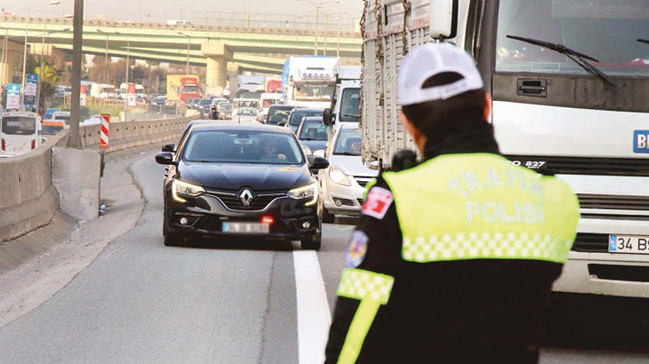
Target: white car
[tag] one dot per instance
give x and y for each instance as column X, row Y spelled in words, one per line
column 343, row 183
column 245, row 115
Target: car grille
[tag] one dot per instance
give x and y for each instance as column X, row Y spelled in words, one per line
column 590, row 166
column 363, row 181
column 210, row 223
column 591, row 243
column 608, row 202
column 258, row 203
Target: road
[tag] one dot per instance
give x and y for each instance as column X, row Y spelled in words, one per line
column 223, row 302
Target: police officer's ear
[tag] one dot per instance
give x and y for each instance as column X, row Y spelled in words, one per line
column 419, row 137
column 487, row 106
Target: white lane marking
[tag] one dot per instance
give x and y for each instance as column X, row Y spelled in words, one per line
column 313, row 315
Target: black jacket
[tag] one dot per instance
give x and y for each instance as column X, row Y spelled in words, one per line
column 478, row 311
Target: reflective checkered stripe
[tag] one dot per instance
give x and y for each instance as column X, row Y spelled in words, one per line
column 450, row 247
column 373, row 290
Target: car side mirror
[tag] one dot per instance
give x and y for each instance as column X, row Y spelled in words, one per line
column 165, row 159
column 318, row 163
column 328, row 117
column 282, row 124
column 319, row 153
column 169, row 148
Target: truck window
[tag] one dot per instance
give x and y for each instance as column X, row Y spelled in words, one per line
column 603, row 29
column 350, row 105
column 15, row 125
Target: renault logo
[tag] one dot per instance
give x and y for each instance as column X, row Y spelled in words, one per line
column 246, row 197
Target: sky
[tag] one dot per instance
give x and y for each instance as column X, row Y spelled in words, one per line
column 162, row 10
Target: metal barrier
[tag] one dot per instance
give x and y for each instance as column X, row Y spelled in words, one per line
column 29, row 200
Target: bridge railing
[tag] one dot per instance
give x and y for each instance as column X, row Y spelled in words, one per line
column 301, row 26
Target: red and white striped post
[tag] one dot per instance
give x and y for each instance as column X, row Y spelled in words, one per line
column 105, row 131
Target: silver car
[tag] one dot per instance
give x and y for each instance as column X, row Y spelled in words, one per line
column 343, row 183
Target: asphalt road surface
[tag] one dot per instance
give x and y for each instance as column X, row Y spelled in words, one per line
column 222, row 302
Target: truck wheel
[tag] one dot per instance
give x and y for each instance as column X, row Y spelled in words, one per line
column 327, row 218
column 312, row 243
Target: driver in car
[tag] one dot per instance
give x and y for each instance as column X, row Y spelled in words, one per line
column 270, row 151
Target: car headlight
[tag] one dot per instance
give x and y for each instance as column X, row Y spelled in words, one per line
column 310, row 192
column 185, row 189
column 339, row 177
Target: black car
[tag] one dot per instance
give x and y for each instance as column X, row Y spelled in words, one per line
column 298, row 114
column 204, row 107
column 228, row 180
column 278, row 114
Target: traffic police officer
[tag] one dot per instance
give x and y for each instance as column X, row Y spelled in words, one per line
column 453, row 260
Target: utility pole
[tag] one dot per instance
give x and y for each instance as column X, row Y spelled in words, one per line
column 318, row 5
column 74, row 140
column 128, row 69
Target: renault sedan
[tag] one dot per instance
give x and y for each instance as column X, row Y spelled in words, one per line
column 247, row 180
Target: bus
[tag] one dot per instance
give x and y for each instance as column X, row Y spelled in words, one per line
column 19, row 133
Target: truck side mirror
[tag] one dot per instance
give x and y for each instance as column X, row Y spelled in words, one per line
column 328, row 117
column 443, row 19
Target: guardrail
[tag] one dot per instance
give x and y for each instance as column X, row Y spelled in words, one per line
column 29, row 200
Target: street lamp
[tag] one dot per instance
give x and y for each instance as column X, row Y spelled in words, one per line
column 326, row 29
column 105, row 56
column 188, row 49
column 22, row 88
column 318, row 5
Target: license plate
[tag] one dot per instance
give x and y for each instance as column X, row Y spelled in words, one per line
column 245, row 228
column 628, row 244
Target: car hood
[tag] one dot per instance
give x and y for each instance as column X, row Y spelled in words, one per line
column 352, row 166
column 259, row 177
column 315, row 144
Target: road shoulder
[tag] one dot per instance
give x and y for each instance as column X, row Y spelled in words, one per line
column 40, row 264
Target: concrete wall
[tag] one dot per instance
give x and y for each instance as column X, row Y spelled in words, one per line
column 28, row 199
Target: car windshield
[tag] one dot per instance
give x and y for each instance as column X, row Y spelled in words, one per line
column 350, row 105
column 206, row 102
column 313, row 130
column 277, row 116
column 237, row 146
column 348, row 142
column 51, row 129
column 225, row 107
column 297, row 116
column 606, row 30
column 18, row 125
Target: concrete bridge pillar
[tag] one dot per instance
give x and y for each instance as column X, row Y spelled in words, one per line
column 218, row 55
column 12, row 61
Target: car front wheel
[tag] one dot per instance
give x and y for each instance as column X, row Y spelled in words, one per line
column 312, row 243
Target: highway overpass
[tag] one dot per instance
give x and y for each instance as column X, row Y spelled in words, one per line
column 259, row 49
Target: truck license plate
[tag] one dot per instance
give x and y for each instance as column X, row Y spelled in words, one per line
column 245, row 228
column 628, row 244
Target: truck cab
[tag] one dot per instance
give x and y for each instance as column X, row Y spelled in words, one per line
column 345, row 105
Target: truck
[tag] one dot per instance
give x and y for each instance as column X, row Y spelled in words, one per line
column 567, row 99
column 250, row 87
column 103, row 91
column 345, row 105
column 182, row 88
column 309, row 80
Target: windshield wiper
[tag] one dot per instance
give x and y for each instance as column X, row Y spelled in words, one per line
column 577, row 57
column 350, row 154
column 645, row 41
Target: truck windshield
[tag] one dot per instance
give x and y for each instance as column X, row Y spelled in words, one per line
column 350, row 105
column 604, row 29
column 17, row 125
column 314, row 92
